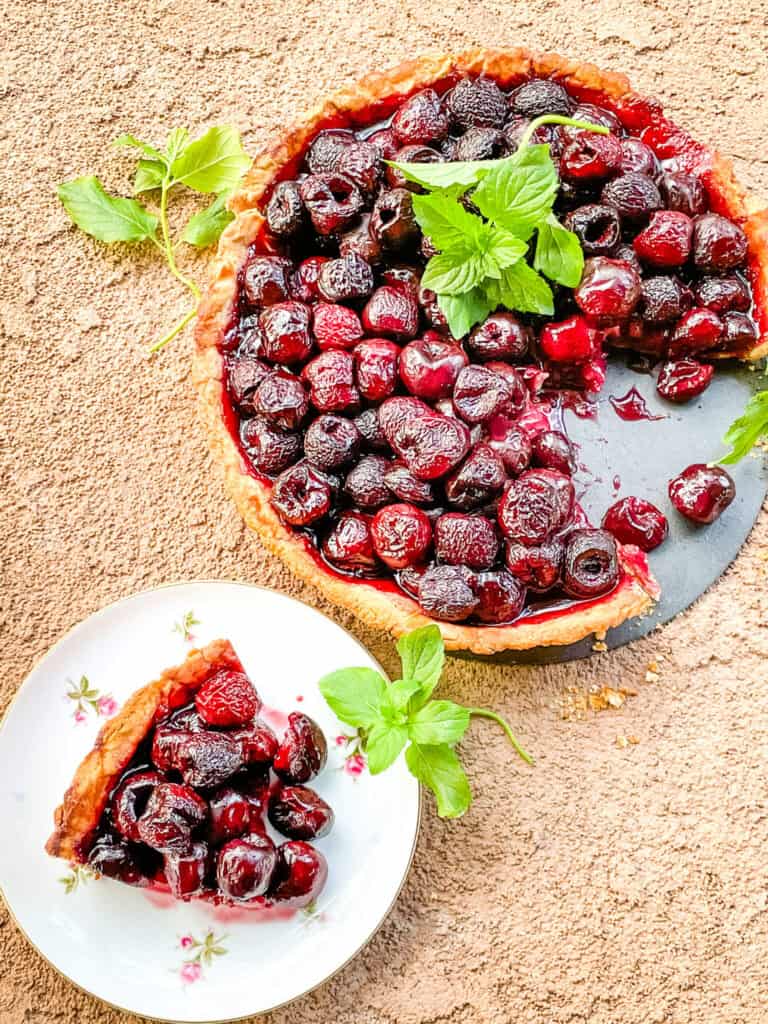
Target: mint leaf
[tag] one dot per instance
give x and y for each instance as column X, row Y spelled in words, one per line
column 204, row 228
column 518, row 194
column 399, row 693
column 521, row 288
column 461, row 173
column 505, row 248
column 438, row 768
column 108, row 218
column 355, row 695
column 149, row 175
column 443, row 219
column 213, row 163
column 464, row 311
column 131, row 142
column 454, row 274
column 440, row 721
column 422, row 656
column 383, row 746
column 175, row 144
column 558, row 253
column 745, row 431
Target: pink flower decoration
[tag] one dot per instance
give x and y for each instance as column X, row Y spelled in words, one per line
column 190, row 973
column 340, row 741
column 107, row 706
column 186, row 941
column 80, row 716
column 355, row 765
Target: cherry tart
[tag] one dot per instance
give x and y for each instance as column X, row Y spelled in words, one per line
column 178, row 789
column 413, row 476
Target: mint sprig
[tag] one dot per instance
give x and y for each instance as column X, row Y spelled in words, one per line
column 481, row 263
column 746, row 431
column 214, row 163
column 392, row 716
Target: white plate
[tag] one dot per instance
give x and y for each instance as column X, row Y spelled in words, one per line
column 134, row 949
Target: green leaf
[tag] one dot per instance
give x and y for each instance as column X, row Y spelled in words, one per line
column 383, row 746
column 400, row 692
column 745, row 431
column 213, row 163
column 108, row 218
column 464, row 311
column 518, row 194
column 450, row 274
column 439, row 769
column 558, row 253
column 422, row 656
column 175, row 144
column 205, row 227
column 131, row 142
column 521, row 288
column 461, row 173
column 149, row 175
column 355, row 695
column 505, row 248
column 439, row 721
column 445, row 221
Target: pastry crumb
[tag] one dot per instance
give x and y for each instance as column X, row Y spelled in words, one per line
column 575, row 704
column 600, row 646
column 626, row 741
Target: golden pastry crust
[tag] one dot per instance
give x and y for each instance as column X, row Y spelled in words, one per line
column 395, row 611
column 77, row 817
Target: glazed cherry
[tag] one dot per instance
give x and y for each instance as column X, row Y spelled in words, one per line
column 358, row 240
column 331, row 442
column 597, row 228
column 402, row 535
column 245, row 373
column 403, row 275
column 722, row 294
column 349, row 545
column 327, row 149
column 590, row 563
column 172, row 811
column 301, row 495
column 479, row 479
column 186, row 872
column 245, row 867
column 568, row 341
column 282, row 400
column 331, row 200
column 536, row 505
column 680, row 380
column 361, row 163
column 300, row 813
column 130, row 800
column 636, row 521
column 480, row 144
column 430, row 365
column 481, row 393
column 367, row 422
column 392, row 312
column 395, row 410
column 500, row 597
column 234, row 813
column 410, row 155
column 698, row 330
column 336, row 326
column 404, row 485
column 553, row 450
column 304, row 280
column 477, row 102
column 466, row 540
column 609, row 289
column 666, row 242
column 303, row 750
column 114, row 859
column 701, row 493
column 287, row 335
column 663, row 299
column 204, row 759
column 541, row 96
column 718, row 243
column 510, row 443
column 227, row 698
column 285, row 209
column 346, row 279
column 590, row 157
column 269, row 449
column 300, row 874
column 741, row 331
column 385, row 142
column 376, row 366
column 595, row 115
column 537, row 567
column 500, row 336
column 639, row 158
column 445, row 592
column 257, row 743
column 420, row 120
column 365, row 483
column 634, row 196
column 393, row 222
column 331, row 378
column 266, row 280
column 683, row 192
column 429, row 443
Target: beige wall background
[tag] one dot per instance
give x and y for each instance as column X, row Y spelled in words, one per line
column 616, row 883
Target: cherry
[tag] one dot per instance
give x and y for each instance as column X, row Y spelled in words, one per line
column 246, row 866
column 403, row 275
column 430, row 365
column 680, row 380
column 343, row 280
column 634, row 196
column 266, row 280
column 510, row 442
column 741, row 331
column 395, row 410
column 331, row 442
column 553, row 450
column 445, row 592
column 595, row 115
column 718, row 243
column 479, row 102
column 287, row 337
column 300, row 874
column 367, row 422
column 285, row 209
column 402, row 535
column 699, row 329
column 536, row 505
column 301, row 495
column 410, row 155
column 185, row 872
column 541, row 96
column 466, row 540
column 590, row 563
column 349, row 545
column 500, row 596
column 336, row 326
column 722, row 294
column 626, row 254
column 538, row 567
column 234, row 813
column 245, row 373
column 327, row 148
column 481, row 393
column 636, row 521
column 404, row 485
column 609, row 289
column 206, row 759
column 429, row 443
column 392, row 312
column 701, row 493
column 281, row 399
column 663, row 299
column 303, row 750
column 114, row 859
column 637, row 157
column 258, row 744
column 666, row 242
column 359, row 241
column 385, row 142
column 588, row 157
column 268, row 448
column 227, row 698
column 245, row 336
column 361, row 163
column 597, row 228
column 331, row 200
column 420, row 119
column 567, row 341
column 479, row 479
column 130, row 800
column 376, row 366
column 393, row 222
column 500, row 336
column 331, row 378
column 172, row 811
column 683, row 192
column 365, row 483
column 300, row 813
column 304, row 281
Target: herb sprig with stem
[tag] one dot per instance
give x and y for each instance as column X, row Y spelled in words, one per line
column 745, row 431
column 211, row 164
column 389, row 717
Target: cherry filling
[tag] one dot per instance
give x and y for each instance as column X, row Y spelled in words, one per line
column 190, row 811
column 433, row 464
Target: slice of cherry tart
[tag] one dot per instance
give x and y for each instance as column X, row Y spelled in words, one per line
column 414, row 476
column 180, row 784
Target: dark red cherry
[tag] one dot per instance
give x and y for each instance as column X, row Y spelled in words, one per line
column 172, row 811
column 130, row 800
column 327, row 149
column 367, row 422
column 420, row 119
column 301, row 495
column 246, row 866
column 666, row 241
column 376, row 366
column 287, row 335
column 336, row 326
column 741, row 331
column 346, row 279
column 358, row 240
column 538, row 567
column 285, row 210
column 227, row 698
column 590, row 563
column 404, row 485
column 303, row 750
column 636, row 521
column 597, row 228
column 300, row 813
column 365, row 483
column 430, row 365
column 304, row 281
column 385, row 142
column 469, row 540
column 402, row 535
column 718, row 243
column 663, row 299
column 590, row 157
column 392, row 312
column 477, row 101
column 541, row 96
column 331, row 200
column 536, row 505
column 701, row 493
column 331, row 442
column 553, row 450
column 478, row 480
column 500, row 596
column 393, row 223
column 114, row 859
column 281, row 399
column 269, row 449
column 235, row 813
column 680, row 380
column 609, row 289
column 410, row 155
column 481, row 393
column 300, row 874
column 637, row 157
column 722, row 294
column 510, row 442
column 698, row 330
column 207, row 758
column 445, row 592
column 568, row 341
column 683, row 192
column 244, row 374
column 500, row 336
column 266, row 280
column 349, row 545
column 331, row 378
column 185, row 872
column 429, row 443
column 634, row 196
column 258, row 744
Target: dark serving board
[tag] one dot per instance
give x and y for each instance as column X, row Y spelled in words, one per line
column 640, row 457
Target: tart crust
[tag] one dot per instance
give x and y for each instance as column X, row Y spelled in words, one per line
column 77, row 817
column 381, row 92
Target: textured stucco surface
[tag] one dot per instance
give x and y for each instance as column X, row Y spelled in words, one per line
column 610, row 885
